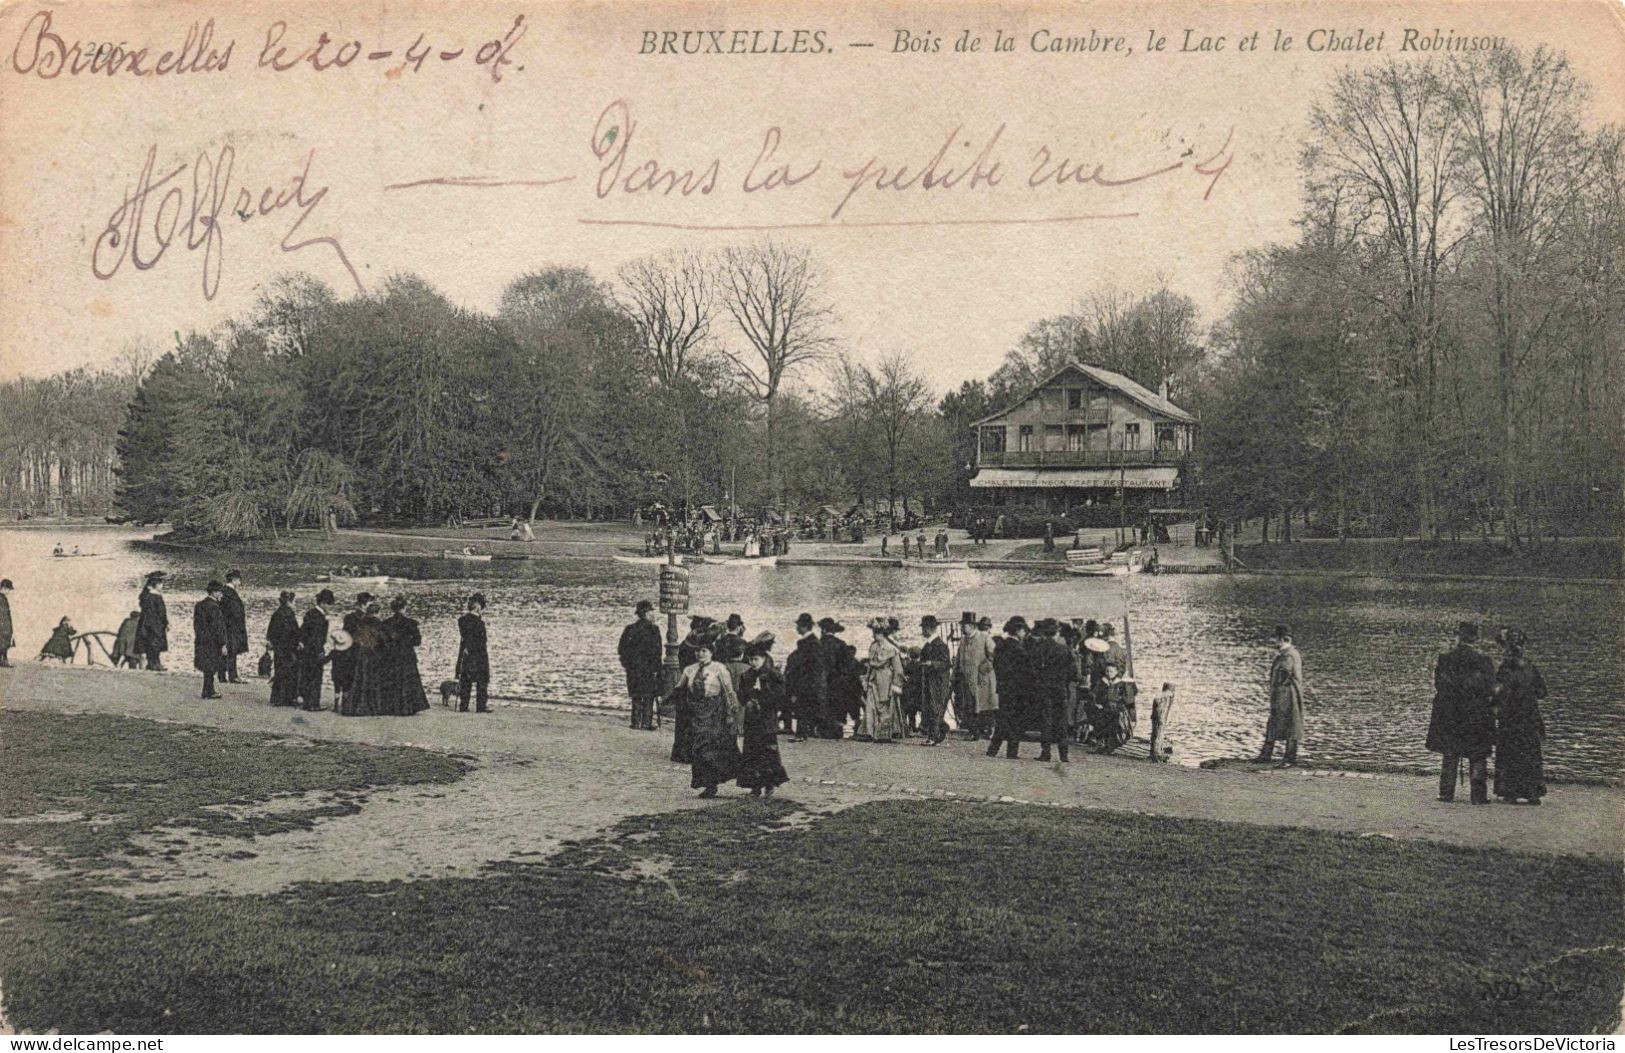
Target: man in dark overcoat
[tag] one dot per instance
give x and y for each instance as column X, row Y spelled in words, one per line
column 231, row 605
column 209, row 638
column 152, row 634
column 1012, row 671
column 473, row 658
column 806, row 679
column 283, row 636
column 313, row 650
column 936, row 680
column 1052, row 669
column 1463, row 725
column 642, row 656
column 844, row 697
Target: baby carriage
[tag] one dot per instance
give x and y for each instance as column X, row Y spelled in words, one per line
column 1111, row 715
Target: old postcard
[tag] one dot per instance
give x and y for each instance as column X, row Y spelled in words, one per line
column 799, row 518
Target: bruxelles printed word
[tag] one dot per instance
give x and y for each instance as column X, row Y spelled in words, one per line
column 733, row 42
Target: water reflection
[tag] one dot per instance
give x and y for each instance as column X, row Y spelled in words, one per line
column 1368, row 644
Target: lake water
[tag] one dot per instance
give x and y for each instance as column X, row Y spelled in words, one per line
column 1368, row 644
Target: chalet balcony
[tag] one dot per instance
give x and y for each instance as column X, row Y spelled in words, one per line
column 1079, row 458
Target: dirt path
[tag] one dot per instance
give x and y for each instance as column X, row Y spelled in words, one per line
column 544, row 776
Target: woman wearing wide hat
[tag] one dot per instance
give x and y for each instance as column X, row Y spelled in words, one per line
column 761, row 692
column 1520, row 773
column 882, row 719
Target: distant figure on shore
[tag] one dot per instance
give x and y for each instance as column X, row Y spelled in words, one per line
column 60, row 645
column 906, row 544
column 231, row 605
column 761, row 691
column 642, row 656
column 123, row 652
column 209, row 638
column 1286, row 699
column 1462, row 726
column 283, row 636
column 1049, row 535
column 313, row 650
column 59, row 550
column 8, row 639
column 1520, row 773
column 152, row 635
column 706, row 692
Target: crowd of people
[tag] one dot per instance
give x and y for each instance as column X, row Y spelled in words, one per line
column 369, row 658
column 1069, row 682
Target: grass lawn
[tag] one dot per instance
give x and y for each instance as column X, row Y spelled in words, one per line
column 1578, row 558
column 892, row 916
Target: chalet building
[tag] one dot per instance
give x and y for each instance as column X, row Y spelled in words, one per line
column 1079, row 436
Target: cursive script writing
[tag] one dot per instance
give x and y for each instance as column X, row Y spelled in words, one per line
column 164, row 209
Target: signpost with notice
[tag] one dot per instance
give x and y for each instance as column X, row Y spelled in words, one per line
column 673, row 601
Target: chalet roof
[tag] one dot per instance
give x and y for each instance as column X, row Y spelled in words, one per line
column 1109, row 379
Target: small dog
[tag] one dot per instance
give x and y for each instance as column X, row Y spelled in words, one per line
column 448, row 694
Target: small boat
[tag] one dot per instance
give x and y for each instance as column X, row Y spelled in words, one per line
column 745, row 561
column 467, row 557
column 1115, row 565
column 359, row 579
column 660, row 561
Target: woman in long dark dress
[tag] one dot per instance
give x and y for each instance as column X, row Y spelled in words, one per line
column 705, row 691
column 403, row 681
column 1519, row 730
column 762, row 689
column 369, row 673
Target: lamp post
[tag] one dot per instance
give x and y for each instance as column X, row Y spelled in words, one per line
column 673, row 601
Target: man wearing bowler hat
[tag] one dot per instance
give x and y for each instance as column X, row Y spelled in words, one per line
column 1286, row 699
column 313, row 650
column 209, row 638
column 473, row 660
column 806, row 678
column 1463, row 726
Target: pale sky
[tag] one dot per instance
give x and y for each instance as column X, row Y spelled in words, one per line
column 954, row 293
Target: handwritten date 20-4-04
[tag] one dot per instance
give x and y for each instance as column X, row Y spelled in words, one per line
column 166, row 209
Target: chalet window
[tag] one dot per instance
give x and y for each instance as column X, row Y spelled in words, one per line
column 1167, row 438
column 1131, row 436
column 1050, row 399
column 1052, row 437
column 1075, row 437
column 1099, row 437
column 992, row 440
column 1024, row 439
column 1074, row 398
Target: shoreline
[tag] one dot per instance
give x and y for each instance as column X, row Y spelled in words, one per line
column 837, row 560
column 1579, row 820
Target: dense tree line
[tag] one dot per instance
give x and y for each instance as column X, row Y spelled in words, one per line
column 1442, row 349
column 57, row 435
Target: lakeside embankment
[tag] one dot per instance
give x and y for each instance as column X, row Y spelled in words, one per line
column 349, row 875
column 1581, row 561
column 1578, row 819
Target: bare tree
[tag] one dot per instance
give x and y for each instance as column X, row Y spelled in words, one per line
column 896, row 400
column 773, row 292
column 1525, row 162
column 1383, row 143
column 671, row 301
